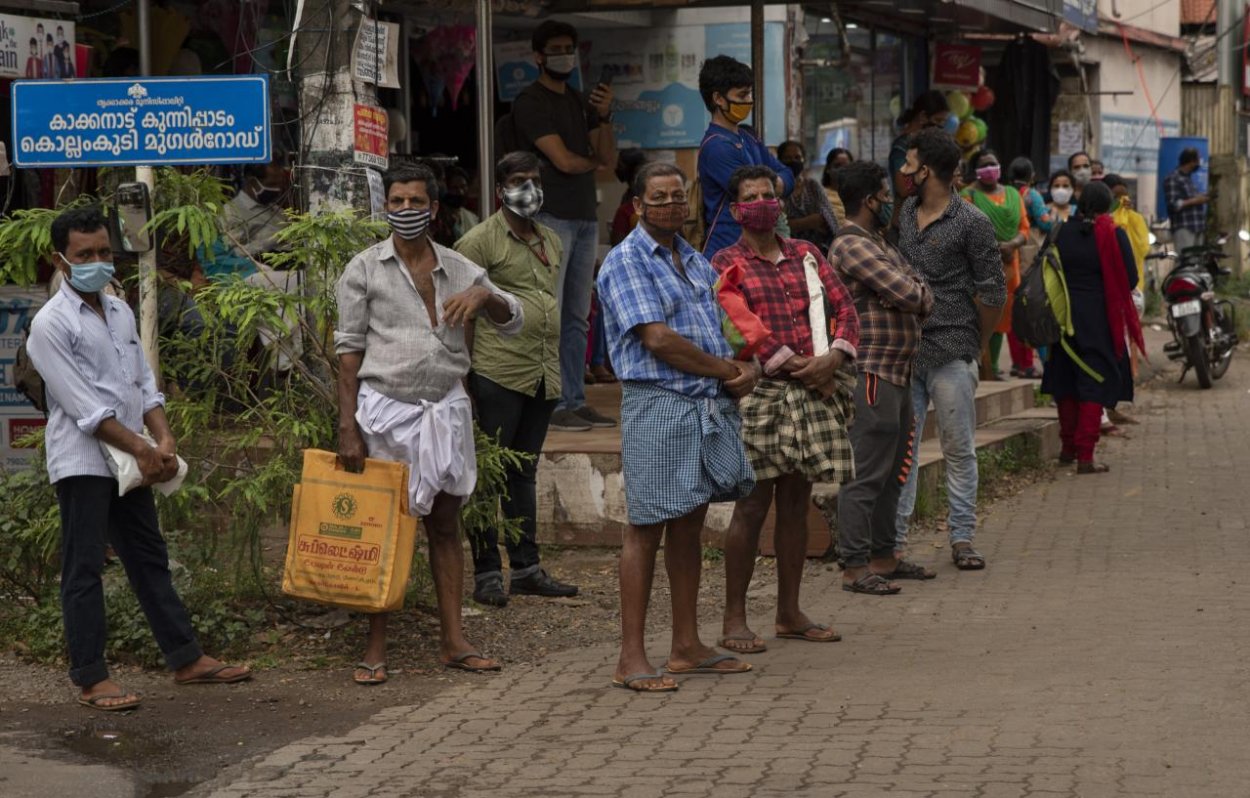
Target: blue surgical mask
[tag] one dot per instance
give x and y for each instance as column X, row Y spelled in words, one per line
column 89, row 278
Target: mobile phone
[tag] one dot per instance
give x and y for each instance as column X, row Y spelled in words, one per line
column 605, row 76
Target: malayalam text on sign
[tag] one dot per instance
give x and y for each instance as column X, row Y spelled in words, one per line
column 153, row 121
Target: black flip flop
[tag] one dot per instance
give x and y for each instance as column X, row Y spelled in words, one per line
column 871, row 584
column 909, row 570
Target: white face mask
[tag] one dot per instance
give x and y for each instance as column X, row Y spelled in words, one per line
column 1082, row 175
column 561, row 66
column 1061, row 195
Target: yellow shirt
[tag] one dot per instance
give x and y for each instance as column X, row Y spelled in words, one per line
column 1134, row 224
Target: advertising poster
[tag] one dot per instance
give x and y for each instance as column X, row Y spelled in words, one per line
column 371, row 135
column 35, row 47
column 655, row 79
column 18, row 418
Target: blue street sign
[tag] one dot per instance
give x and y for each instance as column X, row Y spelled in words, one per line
column 141, row 121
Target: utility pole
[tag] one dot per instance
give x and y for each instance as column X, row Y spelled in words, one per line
column 148, row 307
column 1228, row 210
column 327, row 173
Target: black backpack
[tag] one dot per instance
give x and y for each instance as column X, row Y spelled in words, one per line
column 1034, row 316
column 25, row 378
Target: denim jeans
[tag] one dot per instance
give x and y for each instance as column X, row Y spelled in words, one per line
column 580, row 239
column 92, row 514
column 520, row 421
column 952, row 387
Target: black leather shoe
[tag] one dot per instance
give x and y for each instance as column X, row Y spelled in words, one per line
column 540, row 583
column 490, row 592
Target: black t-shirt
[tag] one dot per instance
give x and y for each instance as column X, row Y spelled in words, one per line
column 539, row 111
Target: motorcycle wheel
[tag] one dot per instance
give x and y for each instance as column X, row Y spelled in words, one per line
column 1196, row 353
column 1220, row 367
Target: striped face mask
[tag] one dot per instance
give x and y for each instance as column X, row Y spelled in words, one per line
column 409, row 223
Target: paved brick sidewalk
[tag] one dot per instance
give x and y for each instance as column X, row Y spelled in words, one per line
column 1103, row 653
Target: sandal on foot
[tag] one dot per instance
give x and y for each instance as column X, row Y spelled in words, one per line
column 967, row 558
column 757, row 646
column 94, row 702
column 1092, row 468
column 870, row 584
column 909, row 570
column 213, row 676
column 374, row 677
column 631, row 682
column 709, row 666
column 460, row 663
column 806, row 633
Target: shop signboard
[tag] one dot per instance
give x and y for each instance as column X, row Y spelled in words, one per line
column 141, row 121
column 36, row 47
column 956, row 66
column 18, row 418
column 371, row 135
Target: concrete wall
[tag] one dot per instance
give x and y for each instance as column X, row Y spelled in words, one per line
column 1125, row 134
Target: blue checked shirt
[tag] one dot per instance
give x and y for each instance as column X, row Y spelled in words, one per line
column 93, row 369
column 1178, row 187
column 639, row 284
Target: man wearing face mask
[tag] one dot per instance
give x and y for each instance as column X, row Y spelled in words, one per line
column 727, row 87
column 516, row 380
column 572, row 137
column 251, row 221
column 680, row 448
column 456, row 198
column 404, row 307
column 952, row 245
column 1082, row 170
column 100, row 390
column 1187, row 207
column 794, row 422
column 893, row 300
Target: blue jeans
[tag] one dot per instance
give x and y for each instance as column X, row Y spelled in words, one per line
column 953, row 389
column 580, row 238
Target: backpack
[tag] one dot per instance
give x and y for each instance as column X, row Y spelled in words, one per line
column 25, row 378
column 696, row 230
column 1041, row 314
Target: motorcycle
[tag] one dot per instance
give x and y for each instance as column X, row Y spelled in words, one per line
column 1204, row 329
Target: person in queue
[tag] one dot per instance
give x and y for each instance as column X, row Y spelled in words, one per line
column 404, row 306
column 679, row 384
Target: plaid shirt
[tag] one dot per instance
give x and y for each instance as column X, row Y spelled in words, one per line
column 891, row 297
column 1178, row 187
column 777, row 293
column 638, row 284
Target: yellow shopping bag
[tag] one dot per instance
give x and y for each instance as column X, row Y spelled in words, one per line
column 351, row 536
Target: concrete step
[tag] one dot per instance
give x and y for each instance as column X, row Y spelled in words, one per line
column 581, row 498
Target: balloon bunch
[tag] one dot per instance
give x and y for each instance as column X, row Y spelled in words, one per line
column 969, row 130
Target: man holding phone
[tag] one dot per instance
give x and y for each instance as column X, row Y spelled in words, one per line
column 572, row 137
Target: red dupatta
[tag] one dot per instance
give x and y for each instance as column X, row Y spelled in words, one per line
column 1121, row 314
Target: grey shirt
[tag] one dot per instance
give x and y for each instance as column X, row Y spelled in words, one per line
column 382, row 315
column 958, row 256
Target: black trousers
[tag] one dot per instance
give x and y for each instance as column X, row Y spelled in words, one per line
column 520, row 421
column 92, row 514
column 881, row 438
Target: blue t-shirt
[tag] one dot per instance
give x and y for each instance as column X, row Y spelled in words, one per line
column 721, row 152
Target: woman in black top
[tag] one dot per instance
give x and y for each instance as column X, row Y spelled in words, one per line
column 1090, row 369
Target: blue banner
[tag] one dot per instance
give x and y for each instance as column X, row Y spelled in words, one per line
column 141, row 121
column 1082, row 13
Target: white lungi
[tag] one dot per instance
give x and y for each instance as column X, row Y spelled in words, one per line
column 435, row 439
